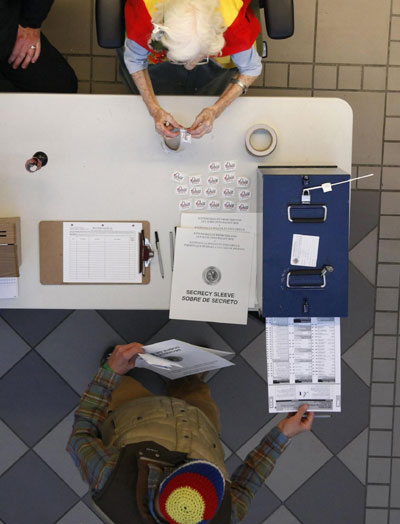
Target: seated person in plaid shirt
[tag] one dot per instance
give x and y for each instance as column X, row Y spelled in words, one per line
column 158, row 459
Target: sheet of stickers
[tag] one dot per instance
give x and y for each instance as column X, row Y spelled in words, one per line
column 219, row 189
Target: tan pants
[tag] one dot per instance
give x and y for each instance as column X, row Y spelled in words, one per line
column 190, row 389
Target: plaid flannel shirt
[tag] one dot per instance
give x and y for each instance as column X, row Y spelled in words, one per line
column 96, row 461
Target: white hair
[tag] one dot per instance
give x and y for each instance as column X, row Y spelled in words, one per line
column 191, row 28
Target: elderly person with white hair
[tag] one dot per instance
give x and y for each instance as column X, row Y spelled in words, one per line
column 202, row 47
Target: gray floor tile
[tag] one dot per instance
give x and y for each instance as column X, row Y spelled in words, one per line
column 42, row 397
column 363, row 255
column 255, row 355
column 380, row 443
column 282, row 516
column 358, row 357
column 397, row 398
column 396, row 433
column 395, row 484
column 75, row 348
column 263, row 504
column 390, row 176
column 337, row 431
column 379, row 470
column 388, row 275
column 394, row 516
column 241, row 396
column 11, row 449
column 361, row 309
column 227, row 450
column 334, row 493
column 354, row 455
column 135, row 326
column 364, row 214
column 52, row 450
column 232, row 463
column 385, row 347
column 377, row 496
column 238, row 337
column 376, row 516
column 34, row 324
column 383, row 370
column 389, row 226
column 385, row 323
column 303, row 457
column 389, row 251
column 199, row 333
column 80, row 514
column 381, row 418
column 390, row 203
column 382, row 394
column 387, row 299
column 13, row 348
column 31, row 492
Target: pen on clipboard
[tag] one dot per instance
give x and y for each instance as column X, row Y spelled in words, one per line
column 160, row 260
column 171, row 245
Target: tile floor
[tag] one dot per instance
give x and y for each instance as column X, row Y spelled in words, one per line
column 347, row 470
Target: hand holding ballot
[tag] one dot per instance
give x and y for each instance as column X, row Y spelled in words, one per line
column 123, row 358
column 295, row 423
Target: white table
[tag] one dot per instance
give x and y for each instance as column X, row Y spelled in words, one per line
column 106, row 163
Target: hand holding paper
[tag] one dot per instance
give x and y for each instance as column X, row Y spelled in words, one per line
column 123, row 358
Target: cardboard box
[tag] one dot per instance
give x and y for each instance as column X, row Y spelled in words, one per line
column 10, row 247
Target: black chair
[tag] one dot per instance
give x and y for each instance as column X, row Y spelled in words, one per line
column 110, row 25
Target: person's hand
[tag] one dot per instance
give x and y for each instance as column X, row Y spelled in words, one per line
column 204, row 123
column 294, row 423
column 26, row 48
column 123, row 358
column 165, row 124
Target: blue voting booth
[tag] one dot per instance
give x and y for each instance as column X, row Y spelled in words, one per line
column 288, row 205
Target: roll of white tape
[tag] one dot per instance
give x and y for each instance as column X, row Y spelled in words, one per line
column 178, row 143
column 261, row 140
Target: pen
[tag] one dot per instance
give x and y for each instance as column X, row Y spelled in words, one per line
column 171, row 243
column 160, row 261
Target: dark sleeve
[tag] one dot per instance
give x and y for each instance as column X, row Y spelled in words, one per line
column 34, row 12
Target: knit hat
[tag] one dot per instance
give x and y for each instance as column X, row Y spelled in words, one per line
column 192, row 494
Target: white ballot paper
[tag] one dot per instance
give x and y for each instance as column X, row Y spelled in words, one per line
column 303, row 363
column 211, row 277
column 9, row 287
column 175, row 359
column 240, row 222
column 101, row 252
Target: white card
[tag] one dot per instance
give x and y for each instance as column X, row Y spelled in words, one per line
column 304, row 250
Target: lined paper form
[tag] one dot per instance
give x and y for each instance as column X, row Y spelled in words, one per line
column 101, row 252
column 9, row 287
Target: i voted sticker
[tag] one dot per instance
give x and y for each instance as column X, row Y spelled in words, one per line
column 214, row 167
column 181, row 189
column 243, row 181
column 213, row 180
column 185, row 204
column 210, row 191
column 195, row 180
column 177, row 176
column 244, row 194
column 228, row 205
column 214, row 204
column 199, row 203
column 230, row 165
column 196, row 191
column 243, row 206
column 229, row 178
column 228, row 192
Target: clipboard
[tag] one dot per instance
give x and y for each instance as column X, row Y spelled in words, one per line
column 288, row 209
column 51, row 252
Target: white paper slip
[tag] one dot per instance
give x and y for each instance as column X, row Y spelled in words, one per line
column 101, row 252
column 211, row 278
column 9, row 287
column 174, row 359
column 245, row 223
column 303, row 363
column 304, row 250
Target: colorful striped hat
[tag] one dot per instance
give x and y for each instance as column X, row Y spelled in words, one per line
column 192, row 494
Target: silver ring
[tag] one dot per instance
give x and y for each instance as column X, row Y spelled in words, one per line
column 32, row 47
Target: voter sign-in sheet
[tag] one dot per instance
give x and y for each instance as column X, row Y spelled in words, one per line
column 101, row 252
column 303, row 363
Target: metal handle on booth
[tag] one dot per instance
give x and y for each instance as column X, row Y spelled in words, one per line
column 305, row 272
column 308, row 220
